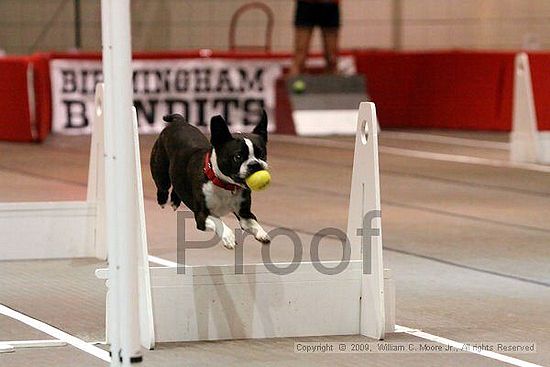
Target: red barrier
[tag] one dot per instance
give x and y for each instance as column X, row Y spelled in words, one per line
column 456, row 90
column 540, row 67
column 16, row 122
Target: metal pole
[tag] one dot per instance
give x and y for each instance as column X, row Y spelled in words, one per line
column 121, row 205
column 397, row 24
column 77, row 26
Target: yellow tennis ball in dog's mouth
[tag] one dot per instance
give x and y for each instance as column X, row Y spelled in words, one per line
column 258, row 180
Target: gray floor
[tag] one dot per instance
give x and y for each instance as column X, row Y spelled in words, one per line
column 468, row 246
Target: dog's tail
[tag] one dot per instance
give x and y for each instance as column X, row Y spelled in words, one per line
column 175, row 117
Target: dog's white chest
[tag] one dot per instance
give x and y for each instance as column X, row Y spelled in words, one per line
column 220, row 201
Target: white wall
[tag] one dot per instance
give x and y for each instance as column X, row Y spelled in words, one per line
column 191, row 24
column 494, row 24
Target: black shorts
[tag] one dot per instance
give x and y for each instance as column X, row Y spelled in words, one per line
column 323, row 14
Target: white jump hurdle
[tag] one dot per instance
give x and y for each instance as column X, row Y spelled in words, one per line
column 213, row 303
column 527, row 143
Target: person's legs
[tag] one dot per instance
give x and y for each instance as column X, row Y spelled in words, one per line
column 302, row 39
column 304, row 21
column 329, row 20
column 330, row 47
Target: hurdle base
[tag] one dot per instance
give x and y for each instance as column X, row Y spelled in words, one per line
column 214, row 303
column 12, row 346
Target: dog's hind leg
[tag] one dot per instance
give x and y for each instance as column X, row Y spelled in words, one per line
column 175, row 200
column 216, row 225
column 207, row 222
column 159, row 165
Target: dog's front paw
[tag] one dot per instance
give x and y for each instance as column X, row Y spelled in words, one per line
column 174, row 206
column 263, row 237
column 228, row 241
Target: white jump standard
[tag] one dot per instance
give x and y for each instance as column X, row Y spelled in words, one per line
column 527, row 143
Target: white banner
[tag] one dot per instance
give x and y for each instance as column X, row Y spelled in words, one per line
column 195, row 88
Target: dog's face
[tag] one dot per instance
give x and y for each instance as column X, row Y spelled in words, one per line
column 236, row 157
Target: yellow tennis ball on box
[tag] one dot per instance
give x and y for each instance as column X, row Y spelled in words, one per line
column 299, row 86
column 258, row 180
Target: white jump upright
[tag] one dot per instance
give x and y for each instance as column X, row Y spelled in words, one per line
column 97, row 176
column 122, row 218
column 365, row 214
column 527, row 143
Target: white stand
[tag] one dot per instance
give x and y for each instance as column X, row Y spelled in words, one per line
column 527, row 143
column 123, row 220
column 135, row 185
column 364, row 213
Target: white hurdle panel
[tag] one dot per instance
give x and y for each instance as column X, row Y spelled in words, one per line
column 47, row 230
column 214, row 303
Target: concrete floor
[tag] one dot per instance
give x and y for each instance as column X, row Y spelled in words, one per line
column 468, row 245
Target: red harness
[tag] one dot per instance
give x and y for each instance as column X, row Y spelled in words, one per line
column 209, row 172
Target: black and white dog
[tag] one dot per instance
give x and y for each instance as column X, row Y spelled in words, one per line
column 209, row 177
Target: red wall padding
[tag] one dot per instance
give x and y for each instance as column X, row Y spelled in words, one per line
column 447, row 89
column 540, row 78
column 15, row 123
column 455, row 90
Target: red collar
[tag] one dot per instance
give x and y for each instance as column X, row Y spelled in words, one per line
column 209, row 172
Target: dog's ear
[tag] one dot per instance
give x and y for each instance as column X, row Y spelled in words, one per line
column 261, row 128
column 173, row 117
column 219, row 131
